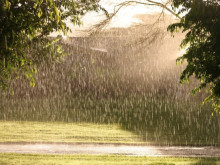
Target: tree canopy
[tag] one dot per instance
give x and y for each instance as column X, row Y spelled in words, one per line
column 201, row 24
column 24, row 27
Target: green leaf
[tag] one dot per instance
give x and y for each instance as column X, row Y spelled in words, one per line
column 7, row 5
column 57, row 17
column 40, row 13
column 28, row 75
column 32, row 82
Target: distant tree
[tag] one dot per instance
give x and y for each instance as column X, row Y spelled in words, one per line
column 24, row 27
column 201, row 24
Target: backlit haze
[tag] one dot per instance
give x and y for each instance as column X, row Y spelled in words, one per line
column 124, row 18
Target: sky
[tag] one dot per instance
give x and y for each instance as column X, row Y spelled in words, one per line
column 125, row 17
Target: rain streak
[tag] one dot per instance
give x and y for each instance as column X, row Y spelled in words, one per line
column 124, row 76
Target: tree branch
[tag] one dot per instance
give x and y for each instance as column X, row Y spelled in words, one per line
column 150, row 3
column 98, row 27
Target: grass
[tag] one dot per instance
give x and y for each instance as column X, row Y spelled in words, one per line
column 158, row 121
column 14, row 131
column 32, row 159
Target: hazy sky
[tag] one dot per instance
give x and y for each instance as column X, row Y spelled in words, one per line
column 124, row 18
column 126, row 15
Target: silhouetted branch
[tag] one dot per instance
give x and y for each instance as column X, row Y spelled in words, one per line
column 98, row 27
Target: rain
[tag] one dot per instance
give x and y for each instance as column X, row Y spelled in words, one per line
column 126, row 76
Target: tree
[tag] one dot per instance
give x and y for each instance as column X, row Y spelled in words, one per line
column 24, row 27
column 201, row 24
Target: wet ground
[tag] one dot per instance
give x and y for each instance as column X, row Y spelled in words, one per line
column 118, row 149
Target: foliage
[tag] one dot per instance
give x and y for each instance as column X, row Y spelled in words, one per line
column 24, row 25
column 201, row 24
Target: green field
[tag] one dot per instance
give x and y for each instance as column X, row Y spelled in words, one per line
column 64, row 132
column 35, row 159
column 27, row 131
column 158, row 121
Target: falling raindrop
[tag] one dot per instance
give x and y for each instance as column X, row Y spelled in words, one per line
column 119, row 77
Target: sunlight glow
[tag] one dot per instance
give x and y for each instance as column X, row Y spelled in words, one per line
column 64, row 37
column 126, row 17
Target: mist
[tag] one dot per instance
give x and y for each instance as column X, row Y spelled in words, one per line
column 126, row 76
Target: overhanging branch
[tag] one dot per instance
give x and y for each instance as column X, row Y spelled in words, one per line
column 149, row 3
column 98, row 27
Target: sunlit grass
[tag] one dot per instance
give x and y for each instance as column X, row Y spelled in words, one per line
column 159, row 121
column 32, row 159
column 11, row 131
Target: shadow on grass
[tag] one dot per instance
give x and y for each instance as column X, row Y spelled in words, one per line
column 160, row 121
column 207, row 161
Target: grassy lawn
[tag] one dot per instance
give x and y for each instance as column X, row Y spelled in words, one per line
column 125, row 119
column 15, row 131
column 32, row 159
column 138, row 126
